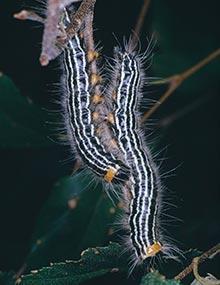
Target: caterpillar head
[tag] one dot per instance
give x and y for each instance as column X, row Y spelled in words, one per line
column 152, row 250
column 118, row 174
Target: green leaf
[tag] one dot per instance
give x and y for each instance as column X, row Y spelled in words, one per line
column 21, row 121
column 77, row 215
column 155, row 278
column 7, row 278
column 94, row 262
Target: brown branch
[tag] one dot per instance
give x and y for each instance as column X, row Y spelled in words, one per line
column 49, row 49
column 140, row 20
column 20, row 271
column 89, row 43
column 28, row 15
column 53, row 38
column 176, row 80
column 214, row 250
column 209, row 280
column 88, row 32
column 168, row 120
column 50, row 37
column 77, row 18
column 98, row 105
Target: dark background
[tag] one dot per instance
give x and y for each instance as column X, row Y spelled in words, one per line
column 186, row 31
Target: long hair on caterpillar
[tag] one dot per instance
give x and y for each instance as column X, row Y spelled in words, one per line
column 143, row 202
column 80, row 127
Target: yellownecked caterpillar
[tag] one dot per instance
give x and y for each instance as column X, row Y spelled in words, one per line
column 144, row 199
column 79, row 117
column 142, row 189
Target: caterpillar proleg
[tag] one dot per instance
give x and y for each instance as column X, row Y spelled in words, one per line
column 79, row 117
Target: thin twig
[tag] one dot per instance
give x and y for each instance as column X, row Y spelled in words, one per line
column 100, row 107
column 78, row 17
column 170, row 119
column 209, row 280
column 49, row 48
column 20, row 271
column 89, row 43
column 140, row 21
column 89, row 39
column 214, row 250
column 55, row 40
column 176, row 80
column 28, row 15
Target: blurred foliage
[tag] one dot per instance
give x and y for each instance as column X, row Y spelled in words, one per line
column 71, row 214
column 184, row 38
column 6, row 278
column 156, row 279
column 22, row 123
column 77, row 215
column 94, row 262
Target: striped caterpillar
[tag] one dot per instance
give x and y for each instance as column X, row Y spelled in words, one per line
column 144, row 180
column 143, row 189
column 79, row 117
column 143, row 192
column 141, row 182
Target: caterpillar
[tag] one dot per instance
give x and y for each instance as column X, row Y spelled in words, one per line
column 140, row 179
column 143, row 194
column 79, row 117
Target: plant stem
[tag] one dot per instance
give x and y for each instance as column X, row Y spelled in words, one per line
column 140, row 20
column 212, row 251
column 176, row 80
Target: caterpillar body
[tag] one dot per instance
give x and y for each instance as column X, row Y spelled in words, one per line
column 79, row 117
column 144, row 198
column 85, row 110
